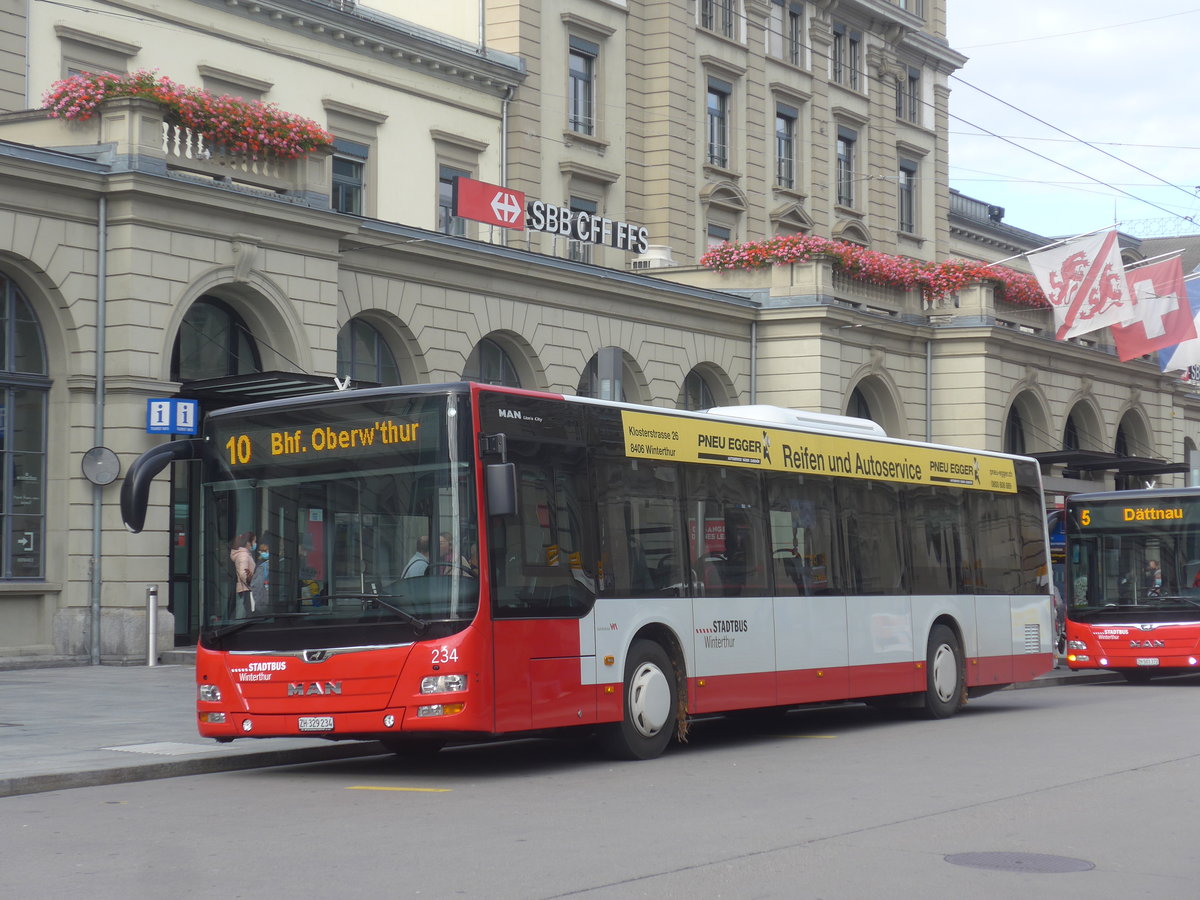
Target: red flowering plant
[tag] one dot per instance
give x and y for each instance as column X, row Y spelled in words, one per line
column 936, row 281
column 242, row 126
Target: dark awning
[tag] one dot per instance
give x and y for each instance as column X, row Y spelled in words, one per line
column 256, row 386
column 1095, row 460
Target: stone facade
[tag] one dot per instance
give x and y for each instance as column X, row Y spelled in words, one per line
column 112, row 237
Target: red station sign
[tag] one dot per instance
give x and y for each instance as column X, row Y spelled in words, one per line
column 495, row 204
column 489, row 203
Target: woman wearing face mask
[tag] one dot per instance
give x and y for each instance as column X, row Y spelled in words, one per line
column 260, row 584
column 242, row 557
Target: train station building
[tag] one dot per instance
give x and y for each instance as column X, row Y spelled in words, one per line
column 140, row 264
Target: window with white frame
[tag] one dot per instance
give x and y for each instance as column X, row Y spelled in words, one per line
column 906, row 200
column 847, row 140
column 908, row 95
column 719, row 16
column 786, row 118
column 719, row 92
column 582, row 58
column 716, row 235
column 581, row 251
column 846, row 57
column 448, row 222
column 786, row 31
column 349, row 176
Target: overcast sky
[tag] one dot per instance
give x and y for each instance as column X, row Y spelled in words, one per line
column 1117, row 75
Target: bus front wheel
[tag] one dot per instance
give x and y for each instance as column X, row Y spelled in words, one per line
column 945, row 674
column 651, row 699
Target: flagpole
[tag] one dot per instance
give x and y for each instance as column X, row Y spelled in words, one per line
column 1150, row 259
column 1052, row 244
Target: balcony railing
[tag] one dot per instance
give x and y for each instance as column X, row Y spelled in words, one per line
column 131, row 133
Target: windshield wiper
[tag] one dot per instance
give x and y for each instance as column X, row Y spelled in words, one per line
column 419, row 624
column 223, row 630
column 1167, row 598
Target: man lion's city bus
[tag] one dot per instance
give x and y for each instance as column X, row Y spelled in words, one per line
column 1133, row 582
column 460, row 562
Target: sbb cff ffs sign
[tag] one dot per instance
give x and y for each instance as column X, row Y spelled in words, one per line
column 496, row 205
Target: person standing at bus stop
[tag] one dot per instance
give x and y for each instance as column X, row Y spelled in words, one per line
column 242, row 557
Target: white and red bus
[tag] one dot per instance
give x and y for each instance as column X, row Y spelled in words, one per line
column 1133, row 582
column 594, row 565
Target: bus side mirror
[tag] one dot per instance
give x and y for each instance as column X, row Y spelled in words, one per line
column 500, row 480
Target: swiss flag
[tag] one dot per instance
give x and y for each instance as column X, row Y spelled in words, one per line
column 1163, row 316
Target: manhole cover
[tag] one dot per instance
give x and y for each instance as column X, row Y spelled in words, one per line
column 1042, row 863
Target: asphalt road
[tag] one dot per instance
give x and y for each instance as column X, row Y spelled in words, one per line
column 1071, row 791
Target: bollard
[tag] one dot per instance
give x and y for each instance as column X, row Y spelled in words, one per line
column 152, row 625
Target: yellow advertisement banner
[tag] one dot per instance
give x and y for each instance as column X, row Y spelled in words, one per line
column 678, row 439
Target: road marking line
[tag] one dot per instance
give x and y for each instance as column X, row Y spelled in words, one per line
column 370, row 787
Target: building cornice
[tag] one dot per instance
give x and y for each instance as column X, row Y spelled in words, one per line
column 386, row 38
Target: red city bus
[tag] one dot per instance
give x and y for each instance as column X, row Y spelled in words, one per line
column 1133, row 582
column 459, row 562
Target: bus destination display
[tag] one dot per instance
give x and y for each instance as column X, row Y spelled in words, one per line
column 248, row 446
column 1112, row 515
column 680, row 439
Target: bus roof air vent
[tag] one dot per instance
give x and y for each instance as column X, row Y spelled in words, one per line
column 796, row 418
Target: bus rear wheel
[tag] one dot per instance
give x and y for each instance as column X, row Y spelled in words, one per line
column 651, row 699
column 945, row 674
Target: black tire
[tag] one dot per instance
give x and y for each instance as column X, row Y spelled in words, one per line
column 651, row 705
column 1136, row 676
column 945, row 674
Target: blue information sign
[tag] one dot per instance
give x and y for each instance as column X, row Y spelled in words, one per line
column 172, row 416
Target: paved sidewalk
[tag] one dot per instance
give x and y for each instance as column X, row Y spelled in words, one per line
column 89, row 725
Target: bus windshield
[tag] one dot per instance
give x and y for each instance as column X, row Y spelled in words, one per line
column 349, row 529
column 1134, row 558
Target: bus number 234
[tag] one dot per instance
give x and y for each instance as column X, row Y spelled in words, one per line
column 444, row 654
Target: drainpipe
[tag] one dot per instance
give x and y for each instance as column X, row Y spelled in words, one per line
column 98, row 427
column 482, row 35
column 928, row 390
column 508, row 95
column 753, row 362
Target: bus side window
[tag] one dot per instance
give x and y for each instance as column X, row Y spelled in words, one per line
column 801, row 534
column 640, row 528
column 543, row 556
column 871, row 537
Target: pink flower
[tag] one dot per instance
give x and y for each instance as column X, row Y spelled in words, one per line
column 936, row 281
column 240, row 125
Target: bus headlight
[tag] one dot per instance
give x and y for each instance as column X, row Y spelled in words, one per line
column 443, row 684
column 1076, row 645
column 210, row 693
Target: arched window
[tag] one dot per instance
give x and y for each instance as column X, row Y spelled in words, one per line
column 364, row 355
column 1122, row 447
column 604, row 376
column 696, row 392
column 1071, row 434
column 1014, row 432
column 489, row 364
column 24, row 387
column 858, row 405
column 213, row 342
